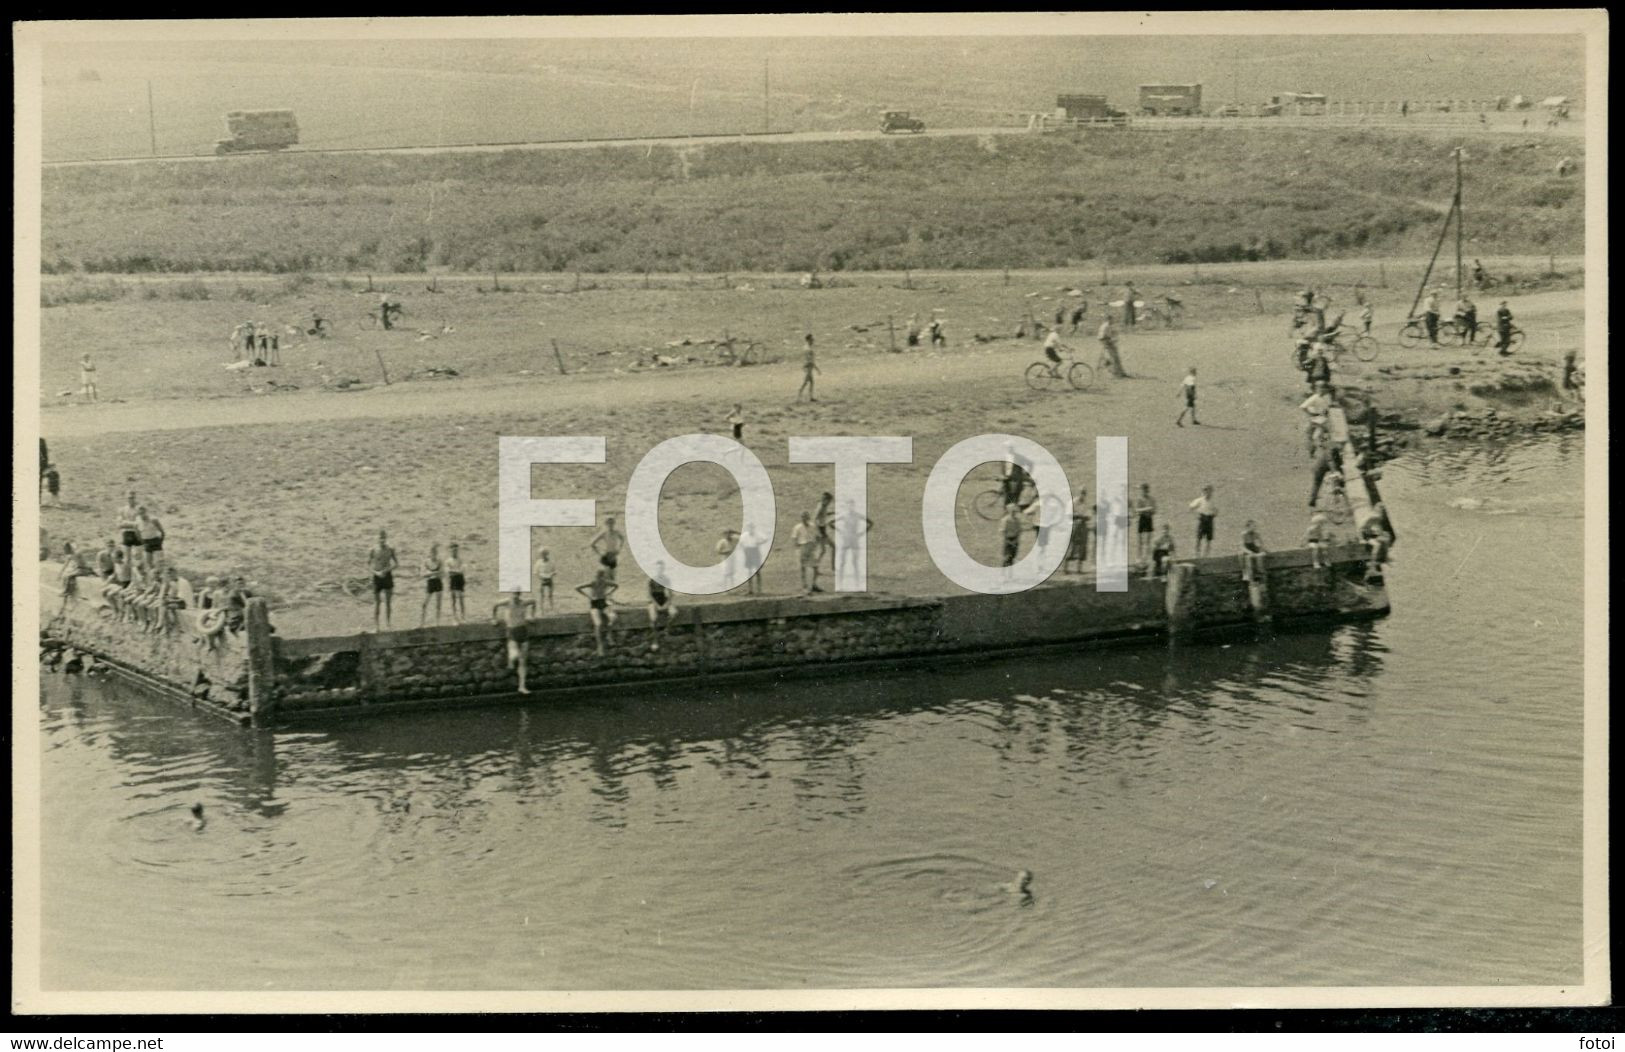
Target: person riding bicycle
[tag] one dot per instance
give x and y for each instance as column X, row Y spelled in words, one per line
column 1052, row 351
column 1017, row 476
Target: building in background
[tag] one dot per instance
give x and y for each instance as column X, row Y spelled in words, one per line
column 1170, row 100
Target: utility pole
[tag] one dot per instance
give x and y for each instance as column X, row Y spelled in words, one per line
column 152, row 122
column 1458, row 221
column 765, row 120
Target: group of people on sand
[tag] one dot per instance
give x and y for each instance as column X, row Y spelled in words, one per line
column 257, row 343
column 133, row 579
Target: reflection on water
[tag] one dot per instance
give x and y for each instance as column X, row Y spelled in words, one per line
column 1390, row 802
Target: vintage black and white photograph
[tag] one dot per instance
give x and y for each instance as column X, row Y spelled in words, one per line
column 1045, row 504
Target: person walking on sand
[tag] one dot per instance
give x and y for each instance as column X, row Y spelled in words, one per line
column 937, row 337
column 544, row 580
column 736, row 422
column 809, row 366
column 1503, row 329
column 456, row 582
column 1130, row 294
column 514, row 616
column 1107, row 335
column 1207, row 512
column 381, row 563
column 597, row 593
column 607, row 543
column 1187, row 387
column 1077, row 316
column 433, row 572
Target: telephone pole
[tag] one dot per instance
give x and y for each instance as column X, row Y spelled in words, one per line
column 765, row 122
column 152, row 122
column 1458, row 221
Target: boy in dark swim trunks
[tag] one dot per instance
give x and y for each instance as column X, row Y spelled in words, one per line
column 660, row 606
column 544, row 580
column 433, row 573
column 736, row 422
column 608, row 543
column 1207, row 512
column 381, row 562
column 1145, row 515
column 514, row 615
column 597, row 592
column 152, row 537
column 128, row 531
column 455, row 583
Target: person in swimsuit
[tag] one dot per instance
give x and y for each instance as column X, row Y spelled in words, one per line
column 824, row 521
column 1316, row 537
column 937, row 338
column 544, row 580
column 1187, row 386
column 1206, row 514
column 1077, row 550
column 1145, row 514
column 660, row 605
column 381, row 561
column 106, row 561
column 128, row 528
column 1252, row 545
column 608, row 543
column 602, row 615
column 1161, row 553
column 455, row 583
column 514, row 615
column 726, row 545
column 809, row 551
column 851, row 526
column 736, row 422
column 152, row 537
column 433, row 572
column 751, row 544
column 87, row 378
column 809, row 366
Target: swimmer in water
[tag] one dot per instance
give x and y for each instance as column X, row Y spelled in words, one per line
column 198, row 821
column 1021, row 887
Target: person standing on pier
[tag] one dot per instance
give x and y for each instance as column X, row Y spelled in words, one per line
column 1145, row 515
column 456, row 582
column 1430, row 316
column 545, row 572
column 808, row 552
column 1078, row 549
column 129, row 528
column 433, row 572
column 607, row 543
column 1011, row 528
column 1207, row 512
column 381, row 562
column 662, row 611
column 750, row 543
column 514, row 616
column 1162, row 553
column 598, row 592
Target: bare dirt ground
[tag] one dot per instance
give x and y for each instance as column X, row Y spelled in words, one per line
column 291, row 488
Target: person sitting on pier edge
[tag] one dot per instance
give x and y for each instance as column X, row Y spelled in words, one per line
column 1316, row 537
column 1378, row 541
column 1162, row 553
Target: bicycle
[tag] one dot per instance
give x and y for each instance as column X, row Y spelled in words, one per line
column 1044, row 373
column 989, row 503
column 1334, row 499
column 1170, row 316
column 1514, row 339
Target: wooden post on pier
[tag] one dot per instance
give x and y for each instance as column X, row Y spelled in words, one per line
column 261, row 658
column 1258, row 585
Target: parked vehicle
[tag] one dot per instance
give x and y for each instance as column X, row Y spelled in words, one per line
column 900, row 121
column 255, row 130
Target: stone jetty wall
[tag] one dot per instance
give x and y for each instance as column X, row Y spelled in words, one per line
column 338, row 675
column 179, row 662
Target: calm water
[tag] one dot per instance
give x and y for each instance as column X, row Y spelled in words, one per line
column 1391, row 803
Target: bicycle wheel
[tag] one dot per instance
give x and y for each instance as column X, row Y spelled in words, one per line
column 1080, row 376
column 1516, row 341
column 1412, row 334
column 1039, row 376
column 1339, row 510
column 1366, row 348
column 989, row 504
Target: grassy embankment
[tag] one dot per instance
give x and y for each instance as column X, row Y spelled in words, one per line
column 1006, row 201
